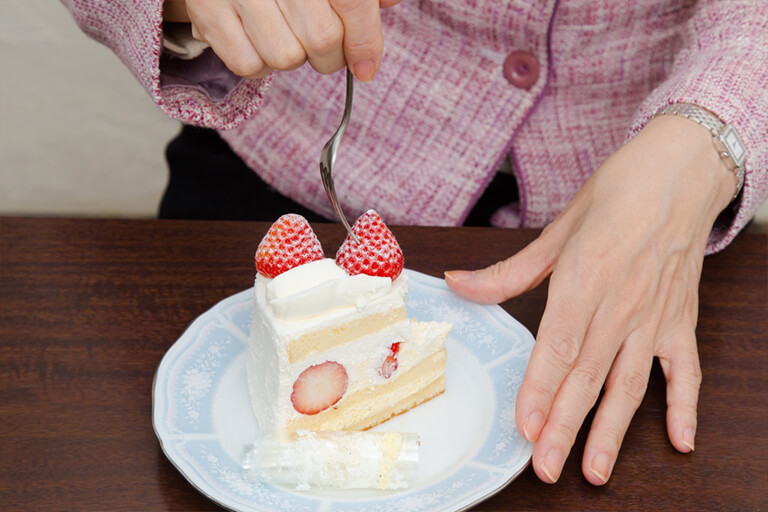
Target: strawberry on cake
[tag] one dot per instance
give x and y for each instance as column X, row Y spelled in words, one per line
column 331, row 345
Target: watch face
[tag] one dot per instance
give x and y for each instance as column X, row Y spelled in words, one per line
column 734, row 145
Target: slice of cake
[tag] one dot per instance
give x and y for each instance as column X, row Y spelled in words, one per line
column 331, row 345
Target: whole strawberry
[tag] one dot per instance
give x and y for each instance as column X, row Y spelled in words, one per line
column 377, row 253
column 290, row 242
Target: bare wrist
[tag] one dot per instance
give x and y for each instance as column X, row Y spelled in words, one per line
column 725, row 138
column 692, row 145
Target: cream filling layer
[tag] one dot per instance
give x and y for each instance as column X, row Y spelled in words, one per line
column 271, row 376
column 369, row 407
column 333, row 336
column 316, row 313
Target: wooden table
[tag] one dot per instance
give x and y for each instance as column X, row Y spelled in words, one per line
column 89, row 307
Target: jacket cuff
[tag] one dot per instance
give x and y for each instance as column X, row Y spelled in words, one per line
column 725, row 84
column 133, row 30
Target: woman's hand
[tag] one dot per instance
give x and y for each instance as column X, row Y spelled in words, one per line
column 625, row 260
column 255, row 37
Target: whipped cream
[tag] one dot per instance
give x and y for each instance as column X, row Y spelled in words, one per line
column 314, row 288
column 312, row 296
column 306, row 299
column 319, row 297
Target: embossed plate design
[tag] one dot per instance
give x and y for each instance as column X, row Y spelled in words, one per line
column 470, row 448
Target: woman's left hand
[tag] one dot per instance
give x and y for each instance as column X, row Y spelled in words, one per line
column 625, row 261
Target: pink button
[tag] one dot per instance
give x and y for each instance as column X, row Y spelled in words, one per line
column 521, row 69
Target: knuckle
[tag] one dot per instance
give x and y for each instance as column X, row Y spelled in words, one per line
column 633, row 385
column 694, row 374
column 590, row 379
column 538, row 390
column 688, row 384
column 566, row 430
column 565, row 347
column 690, row 379
column 288, row 57
column 687, row 374
column 244, row 66
column 612, row 435
column 366, row 46
column 345, row 6
column 326, row 68
column 325, row 38
column 685, row 380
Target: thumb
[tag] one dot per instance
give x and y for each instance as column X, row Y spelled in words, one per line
column 363, row 39
column 508, row 278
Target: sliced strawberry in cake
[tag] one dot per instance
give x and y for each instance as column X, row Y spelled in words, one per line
column 332, row 347
column 319, row 387
column 389, row 366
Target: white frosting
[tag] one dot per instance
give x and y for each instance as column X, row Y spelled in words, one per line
column 312, row 297
column 331, row 298
column 312, row 289
column 303, row 277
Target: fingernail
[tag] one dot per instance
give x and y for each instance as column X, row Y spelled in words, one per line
column 601, row 466
column 364, row 70
column 688, row 438
column 458, row 275
column 532, row 426
column 552, row 464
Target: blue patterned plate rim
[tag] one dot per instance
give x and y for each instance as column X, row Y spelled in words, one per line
column 204, row 368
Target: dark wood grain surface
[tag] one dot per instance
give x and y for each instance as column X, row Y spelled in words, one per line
column 89, row 307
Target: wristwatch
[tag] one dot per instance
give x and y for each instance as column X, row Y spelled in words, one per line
column 727, row 142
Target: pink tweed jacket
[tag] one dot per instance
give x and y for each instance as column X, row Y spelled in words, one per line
column 428, row 134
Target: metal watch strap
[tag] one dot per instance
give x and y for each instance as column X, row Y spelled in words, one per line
column 727, row 142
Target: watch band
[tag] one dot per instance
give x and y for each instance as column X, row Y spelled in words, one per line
column 727, row 142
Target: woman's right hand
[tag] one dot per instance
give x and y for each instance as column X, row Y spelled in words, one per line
column 255, row 37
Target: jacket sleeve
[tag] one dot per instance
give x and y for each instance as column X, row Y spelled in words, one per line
column 722, row 66
column 199, row 91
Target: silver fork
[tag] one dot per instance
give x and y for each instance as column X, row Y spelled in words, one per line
column 328, row 157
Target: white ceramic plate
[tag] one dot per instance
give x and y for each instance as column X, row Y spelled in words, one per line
column 470, row 448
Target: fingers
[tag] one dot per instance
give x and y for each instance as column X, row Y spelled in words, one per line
column 624, row 391
column 509, row 278
column 319, row 30
column 363, row 40
column 678, row 354
column 679, row 360
column 541, row 414
column 272, row 36
column 255, row 37
column 562, row 383
column 219, row 25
